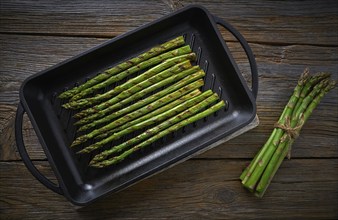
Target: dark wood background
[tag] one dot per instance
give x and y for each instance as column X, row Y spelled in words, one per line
column 285, row 36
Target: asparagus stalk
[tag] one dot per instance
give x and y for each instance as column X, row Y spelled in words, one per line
column 131, row 70
column 184, row 90
column 160, row 102
column 142, row 111
column 331, row 85
column 303, row 113
column 125, row 65
column 188, row 79
column 149, row 85
column 303, row 103
column 165, row 115
column 250, row 177
column 308, row 86
column 159, row 133
column 132, row 82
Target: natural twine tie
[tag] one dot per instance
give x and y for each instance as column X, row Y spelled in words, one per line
column 291, row 132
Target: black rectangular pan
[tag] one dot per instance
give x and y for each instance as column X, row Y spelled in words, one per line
column 54, row 125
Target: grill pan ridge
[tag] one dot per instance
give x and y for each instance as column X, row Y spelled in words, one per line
column 54, row 124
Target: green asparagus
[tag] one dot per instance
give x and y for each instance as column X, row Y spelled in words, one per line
column 178, row 113
column 138, row 126
column 252, row 180
column 184, row 90
column 286, row 143
column 266, row 152
column 154, row 105
column 307, row 105
column 153, row 61
column 188, row 79
column 125, row 65
column 307, row 94
column 139, row 112
column 149, row 84
column 307, row 87
column 132, row 82
column 158, row 133
column 99, row 120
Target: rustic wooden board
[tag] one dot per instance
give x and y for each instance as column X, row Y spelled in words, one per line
column 212, row 191
column 277, row 22
column 285, row 36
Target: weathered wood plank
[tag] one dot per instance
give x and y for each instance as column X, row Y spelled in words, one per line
column 23, row 56
column 286, row 36
column 277, row 22
column 279, row 70
column 193, row 189
column 7, row 141
column 107, row 18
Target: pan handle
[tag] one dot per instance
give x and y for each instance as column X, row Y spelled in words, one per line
column 24, row 155
column 248, row 51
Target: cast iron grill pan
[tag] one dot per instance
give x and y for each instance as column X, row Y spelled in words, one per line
column 54, row 124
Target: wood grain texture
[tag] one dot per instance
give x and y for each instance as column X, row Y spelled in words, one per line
column 285, row 36
column 277, row 22
column 212, row 191
column 86, row 18
column 280, row 22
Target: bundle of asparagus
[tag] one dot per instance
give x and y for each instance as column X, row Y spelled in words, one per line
column 306, row 96
column 130, row 106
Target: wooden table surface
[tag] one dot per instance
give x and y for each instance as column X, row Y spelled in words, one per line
column 285, row 36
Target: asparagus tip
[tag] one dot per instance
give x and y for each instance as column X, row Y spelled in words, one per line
column 84, row 151
column 78, row 115
column 74, row 144
column 92, row 162
column 323, row 75
column 60, row 96
column 331, row 85
column 95, row 165
column 66, row 105
column 63, row 95
column 77, row 123
column 83, row 128
column 80, row 152
column 304, row 77
column 79, row 141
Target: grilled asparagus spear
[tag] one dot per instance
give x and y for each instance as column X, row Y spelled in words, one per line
column 138, row 87
column 188, row 79
column 142, row 111
column 132, row 82
column 198, row 101
column 125, row 65
column 131, row 70
column 158, row 132
column 108, row 127
column 123, row 124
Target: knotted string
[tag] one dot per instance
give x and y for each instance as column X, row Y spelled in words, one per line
column 291, row 132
